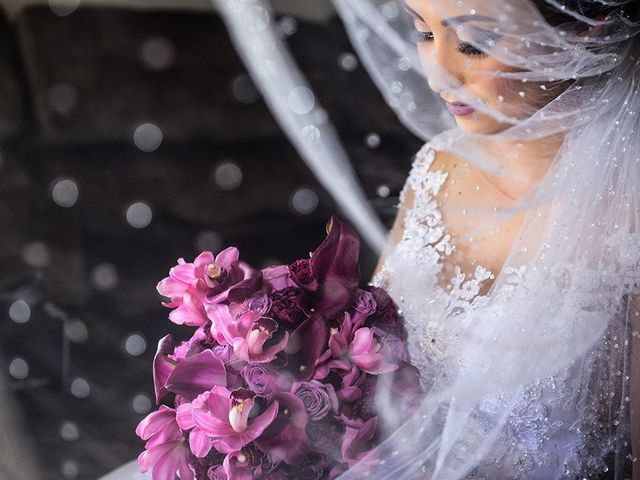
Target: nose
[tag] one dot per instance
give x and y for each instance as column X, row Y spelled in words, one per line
column 442, row 71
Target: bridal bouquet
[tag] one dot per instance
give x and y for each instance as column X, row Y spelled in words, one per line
column 284, row 375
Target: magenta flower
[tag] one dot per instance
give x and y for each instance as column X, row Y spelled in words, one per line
column 242, row 465
column 285, row 306
column 204, row 273
column 335, row 266
column 301, row 272
column 254, row 338
column 224, row 417
column 364, row 352
column 165, row 450
column 163, row 366
column 357, row 440
column 197, row 374
column 188, row 283
column 306, row 346
column 286, row 438
column 236, row 283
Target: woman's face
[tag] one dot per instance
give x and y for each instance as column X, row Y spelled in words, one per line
column 453, row 66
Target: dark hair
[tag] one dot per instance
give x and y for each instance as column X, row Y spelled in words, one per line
column 588, row 8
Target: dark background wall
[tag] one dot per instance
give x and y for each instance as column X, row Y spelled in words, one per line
column 129, row 139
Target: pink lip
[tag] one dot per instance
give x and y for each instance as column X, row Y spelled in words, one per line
column 460, row 109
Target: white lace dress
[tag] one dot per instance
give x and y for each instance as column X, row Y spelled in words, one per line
column 555, row 432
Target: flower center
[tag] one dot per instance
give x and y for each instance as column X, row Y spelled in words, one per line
column 215, row 272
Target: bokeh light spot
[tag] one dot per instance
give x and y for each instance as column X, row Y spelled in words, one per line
column 304, row 201
column 65, row 192
column 36, row 254
column 301, row 100
column 141, row 404
column 20, row 312
column 139, row 215
column 135, row 345
column 157, row 53
column 76, row 331
column 80, row 388
column 19, row 368
column 105, row 276
column 69, row 431
column 227, row 175
column 147, row 137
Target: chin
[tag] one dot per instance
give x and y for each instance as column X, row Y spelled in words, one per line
column 480, row 125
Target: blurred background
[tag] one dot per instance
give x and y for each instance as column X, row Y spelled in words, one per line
column 131, row 135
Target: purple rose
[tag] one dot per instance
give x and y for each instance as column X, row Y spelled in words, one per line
column 258, row 379
column 317, row 398
column 285, row 306
column 259, row 302
column 278, row 277
column 302, row 273
column 265, row 380
column 365, row 303
column 386, row 315
column 391, row 346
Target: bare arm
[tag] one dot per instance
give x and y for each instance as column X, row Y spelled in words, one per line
column 397, row 230
column 634, row 383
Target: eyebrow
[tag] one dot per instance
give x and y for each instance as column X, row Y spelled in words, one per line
column 457, row 19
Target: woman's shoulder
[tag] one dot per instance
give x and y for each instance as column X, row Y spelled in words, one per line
column 429, row 169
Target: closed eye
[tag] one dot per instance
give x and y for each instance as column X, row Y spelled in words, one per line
column 421, row 37
column 463, row 47
column 468, row 49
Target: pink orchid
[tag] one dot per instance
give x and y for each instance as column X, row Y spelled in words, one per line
column 364, row 352
column 190, row 311
column 247, row 332
column 202, row 274
column 223, row 417
column 188, row 283
column 165, row 450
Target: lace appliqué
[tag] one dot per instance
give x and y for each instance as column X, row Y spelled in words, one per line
column 421, row 252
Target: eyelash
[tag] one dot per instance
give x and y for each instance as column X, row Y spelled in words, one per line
column 463, row 47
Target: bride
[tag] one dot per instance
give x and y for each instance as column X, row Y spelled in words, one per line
column 515, row 256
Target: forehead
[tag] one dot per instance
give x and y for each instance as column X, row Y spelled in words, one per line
column 500, row 16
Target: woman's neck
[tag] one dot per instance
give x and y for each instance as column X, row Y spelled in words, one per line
column 520, row 165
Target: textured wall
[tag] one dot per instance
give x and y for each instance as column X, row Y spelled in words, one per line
column 128, row 139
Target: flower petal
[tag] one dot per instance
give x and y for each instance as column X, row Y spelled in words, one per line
column 335, row 264
column 228, row 256
column 184, row 416
column 305, row 346
column 163, row 366
column 286, row 438
column 174, row 460
column 155, row 421
column 200, row 443
column 150, row 457
column 197, row 374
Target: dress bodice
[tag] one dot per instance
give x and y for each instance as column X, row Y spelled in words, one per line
column 556, row 430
